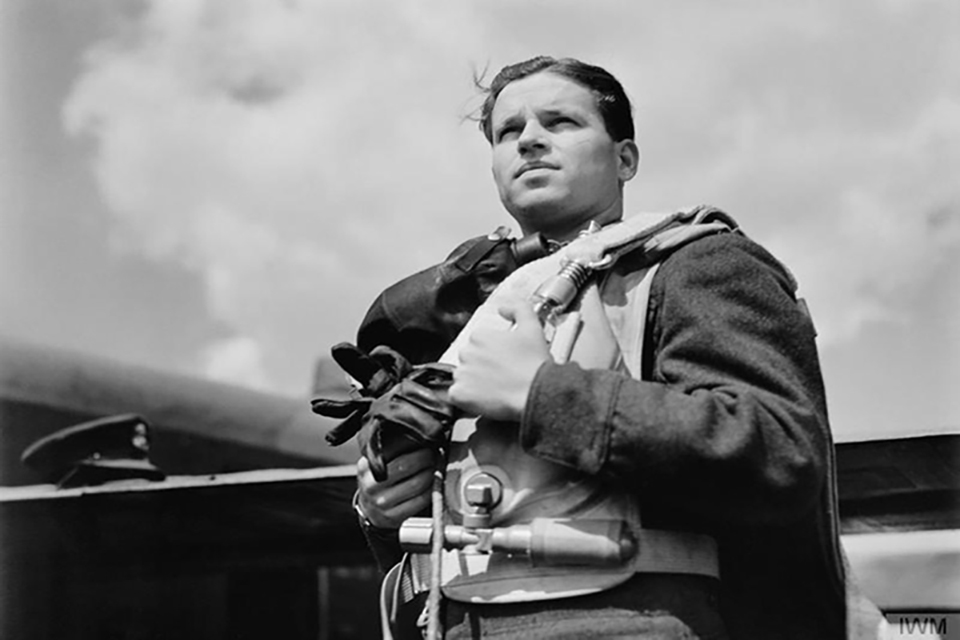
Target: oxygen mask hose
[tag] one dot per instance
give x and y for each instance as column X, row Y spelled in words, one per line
column 436, row 548
column 555, row 295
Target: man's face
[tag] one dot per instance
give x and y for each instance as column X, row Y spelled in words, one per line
column 554, row 163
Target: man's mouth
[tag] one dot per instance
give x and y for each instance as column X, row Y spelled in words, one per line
column 530, row 166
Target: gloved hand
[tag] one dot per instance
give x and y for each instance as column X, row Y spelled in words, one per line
column 414, row 414
column 376, row 372
column 398, row 408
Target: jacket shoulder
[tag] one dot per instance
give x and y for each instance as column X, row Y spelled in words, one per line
column 724, row 259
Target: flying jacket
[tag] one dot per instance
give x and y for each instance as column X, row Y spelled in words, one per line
column 726, row 434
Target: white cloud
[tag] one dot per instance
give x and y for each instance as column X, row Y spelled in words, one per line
column 237, row 360
column 892, row 225
column 302, row 155
column 296, row 154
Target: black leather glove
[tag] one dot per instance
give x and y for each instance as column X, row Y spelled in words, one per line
column 398, row 408
column 412, row 415
column 377, row 372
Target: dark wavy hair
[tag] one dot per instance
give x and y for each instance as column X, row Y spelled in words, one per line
column 612, row 101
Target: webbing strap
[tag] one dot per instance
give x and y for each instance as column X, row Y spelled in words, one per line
column 655, row 234
column 401, row 586
column 389, row 600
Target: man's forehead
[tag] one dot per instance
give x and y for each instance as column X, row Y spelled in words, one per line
column 542, row 92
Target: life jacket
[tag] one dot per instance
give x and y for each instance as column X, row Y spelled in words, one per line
column 604, row 328
column 638, row 245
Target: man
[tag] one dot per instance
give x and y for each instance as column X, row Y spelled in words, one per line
column 715, row 441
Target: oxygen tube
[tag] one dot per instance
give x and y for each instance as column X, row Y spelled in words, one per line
column 436, row 548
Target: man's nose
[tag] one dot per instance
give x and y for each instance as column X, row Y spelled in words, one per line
column 531, row 137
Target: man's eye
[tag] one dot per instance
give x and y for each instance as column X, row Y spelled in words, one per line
column 506, row 133
column 560, row 121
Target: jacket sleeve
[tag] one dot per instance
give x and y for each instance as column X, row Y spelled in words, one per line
column 731, row 426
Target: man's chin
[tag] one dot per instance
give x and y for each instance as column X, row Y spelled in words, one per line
column 537, row 203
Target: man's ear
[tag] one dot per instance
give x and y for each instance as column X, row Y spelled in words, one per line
column 628, row 154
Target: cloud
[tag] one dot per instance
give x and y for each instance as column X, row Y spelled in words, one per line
column 303, row 155
column 892, row 221
column 278, row 149
column 237, row 360
column 832, row 133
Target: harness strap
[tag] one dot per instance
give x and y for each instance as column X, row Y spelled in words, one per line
column 656, row 239
column 404, row 587
column 391, row 599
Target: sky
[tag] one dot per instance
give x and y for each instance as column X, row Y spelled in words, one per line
column 219, row 188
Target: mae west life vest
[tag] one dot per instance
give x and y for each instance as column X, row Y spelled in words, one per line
column 604, row 328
